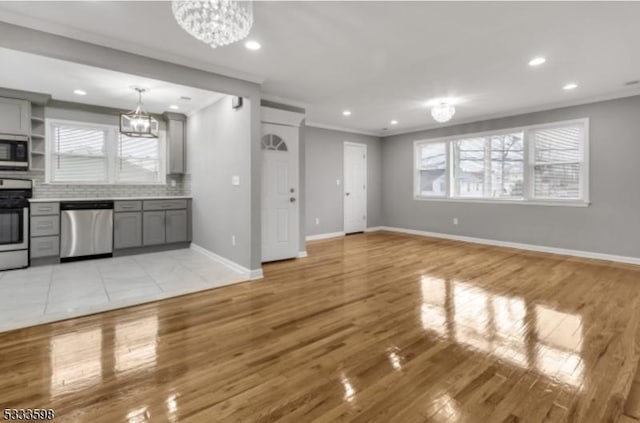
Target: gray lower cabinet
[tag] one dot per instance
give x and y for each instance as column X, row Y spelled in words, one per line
column 154, row 227
column 176, row 227
column 127, row 230
column 46, row 246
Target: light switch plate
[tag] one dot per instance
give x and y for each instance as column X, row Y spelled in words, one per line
column 235, row 180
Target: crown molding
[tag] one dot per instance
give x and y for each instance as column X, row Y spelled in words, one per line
column 284, row 100
column 314, row 124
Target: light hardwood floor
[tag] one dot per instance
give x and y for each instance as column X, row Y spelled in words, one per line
column 376, row 327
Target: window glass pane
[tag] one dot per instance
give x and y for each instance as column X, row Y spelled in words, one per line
column 469, row 171
column 138, row 159
column 507, row 166
column 558, row 156
column 433, row 169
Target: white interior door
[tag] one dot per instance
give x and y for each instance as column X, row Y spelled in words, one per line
column 280, row 209
column 355, row 187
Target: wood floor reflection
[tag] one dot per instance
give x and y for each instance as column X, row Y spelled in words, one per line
column 376, row 327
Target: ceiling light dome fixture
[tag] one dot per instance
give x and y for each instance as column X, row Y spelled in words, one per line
column 138, row 123
column 443, row 112
column 215, row 22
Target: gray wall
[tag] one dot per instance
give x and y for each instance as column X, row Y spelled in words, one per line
column 219, row 147
column 611, row 224
column 324, row 151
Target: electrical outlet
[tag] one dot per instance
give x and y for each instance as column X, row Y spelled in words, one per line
column 233, row 240
column 338, row 182
column 455, row 220
column 173, row 182
column 235, row 180
column 317, row 220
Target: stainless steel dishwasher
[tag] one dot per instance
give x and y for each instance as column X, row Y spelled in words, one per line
column 86, row 229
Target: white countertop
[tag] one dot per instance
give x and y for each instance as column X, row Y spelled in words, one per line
column 56, row 200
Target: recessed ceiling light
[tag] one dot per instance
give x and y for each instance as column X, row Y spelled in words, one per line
column 570, row 86
column 346, row 113
column 537, row 61
column 174, row 107
column 252, row 45
column 394, row 122
column 79, row 92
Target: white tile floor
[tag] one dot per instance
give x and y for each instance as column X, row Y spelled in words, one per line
column 49, row 293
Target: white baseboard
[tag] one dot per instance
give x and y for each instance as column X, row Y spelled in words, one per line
column 324, row 236
column 256, row 274
column 302, row 254
column 529, row 247
column 250, row 274
column 338, row 234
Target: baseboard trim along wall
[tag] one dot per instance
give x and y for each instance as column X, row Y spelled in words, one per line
column 337, row 234
column 373, row 229
column 250, row 274
column 324, row 236
column 302, row 254
column 529, row 247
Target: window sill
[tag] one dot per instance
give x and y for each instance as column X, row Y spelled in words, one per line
column 513, row 202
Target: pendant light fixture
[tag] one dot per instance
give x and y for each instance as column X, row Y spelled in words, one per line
column 215, row 22
column 138, row 123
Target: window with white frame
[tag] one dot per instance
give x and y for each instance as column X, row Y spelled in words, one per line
column 541, row 163
column 82, row 153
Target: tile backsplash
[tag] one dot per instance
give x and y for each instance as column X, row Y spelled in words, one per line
column 43, row 190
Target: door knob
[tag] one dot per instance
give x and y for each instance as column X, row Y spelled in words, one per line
column 348, row 193
column 292, row 199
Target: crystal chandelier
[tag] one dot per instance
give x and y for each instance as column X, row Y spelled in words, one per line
column 138, row 123
column 443, row 112
column 215, row 22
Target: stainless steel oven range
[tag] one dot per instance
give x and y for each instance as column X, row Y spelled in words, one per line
column 14, row 223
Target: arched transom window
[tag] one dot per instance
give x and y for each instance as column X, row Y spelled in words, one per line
column 273, row 142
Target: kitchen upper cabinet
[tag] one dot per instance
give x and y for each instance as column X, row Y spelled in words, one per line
column 127, row 230
column 153, row 223
column 15, row 116
column 176, row 226
column 176, row 143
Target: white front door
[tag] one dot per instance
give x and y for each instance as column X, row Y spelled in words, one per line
column 280, row 210
column 355, row 187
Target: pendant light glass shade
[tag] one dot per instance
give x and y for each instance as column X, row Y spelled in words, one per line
column 215, row 22
column 443, row 112
column 138, row 123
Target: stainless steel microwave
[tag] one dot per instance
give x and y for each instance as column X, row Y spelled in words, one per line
column 14, row 152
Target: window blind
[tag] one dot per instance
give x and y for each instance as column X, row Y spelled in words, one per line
column 138, row 159
column 558, row 156
column 79, row 154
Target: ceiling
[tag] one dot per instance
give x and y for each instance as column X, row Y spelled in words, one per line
column 24, row 71
column 384, row 60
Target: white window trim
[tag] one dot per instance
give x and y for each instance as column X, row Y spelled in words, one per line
column 111, row 152
column 528, row 157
